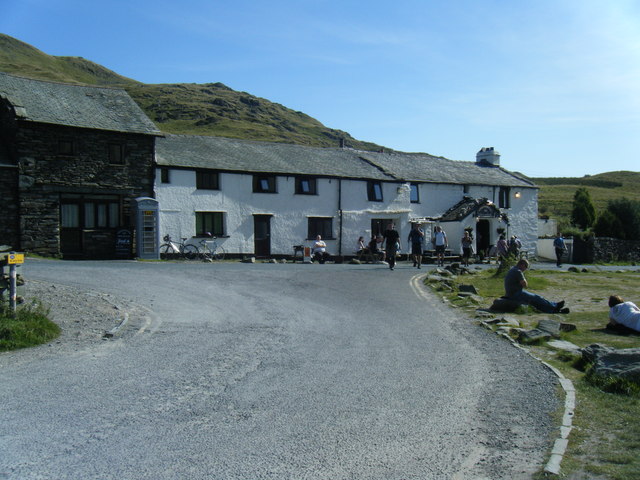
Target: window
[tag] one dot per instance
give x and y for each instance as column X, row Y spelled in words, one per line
column 503, row 197
column 465, row 189
column 65, row 147
column 374, row 191
column 116, row 154
column 415, row 193
column 210, row 222
column 264, row 184
column 164, row 175
column 320, row 226
column 207, row 180
column 306, row 186
column 90, row 212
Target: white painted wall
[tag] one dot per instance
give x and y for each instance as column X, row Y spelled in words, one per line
column 179, row 200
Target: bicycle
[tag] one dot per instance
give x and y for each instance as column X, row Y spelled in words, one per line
column 210, row 250
column 172, row 249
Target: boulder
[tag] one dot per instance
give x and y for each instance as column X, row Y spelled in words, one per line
column 535, row 335
column 504, row 305
column 550, row 326
column 467, row 289
column 609, row 362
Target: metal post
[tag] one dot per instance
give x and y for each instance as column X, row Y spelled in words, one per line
column 13, row 286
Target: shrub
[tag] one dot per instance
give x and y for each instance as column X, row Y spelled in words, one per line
column 583, row 213
column 29, row 326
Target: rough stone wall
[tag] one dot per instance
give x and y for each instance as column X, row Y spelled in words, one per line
column 44, row 175
column 9, row 223
column 612, row 249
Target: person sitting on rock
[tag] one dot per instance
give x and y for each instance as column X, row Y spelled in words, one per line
column 515, row 284
column 623, row 313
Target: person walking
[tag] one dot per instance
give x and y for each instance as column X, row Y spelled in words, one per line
column 416, row 243
column 391, row 237
column 440, row 243
column 560, row 247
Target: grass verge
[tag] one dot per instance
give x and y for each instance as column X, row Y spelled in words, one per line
column 605, row 441
column 29, row 327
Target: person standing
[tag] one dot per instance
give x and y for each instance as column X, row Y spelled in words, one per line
column 416, row 243
column 467, row 245
column 391, row 237
column 560, row 248
column 441, row 243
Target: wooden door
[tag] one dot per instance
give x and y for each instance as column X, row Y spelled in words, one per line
column 262, row 235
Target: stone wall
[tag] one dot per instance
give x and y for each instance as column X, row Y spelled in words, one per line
column 605, row 249
column 45, row 175
column 9, row 219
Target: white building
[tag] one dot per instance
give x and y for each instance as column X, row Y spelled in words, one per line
column 263, row 198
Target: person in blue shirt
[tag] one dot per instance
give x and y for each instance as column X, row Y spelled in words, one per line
column 560, row 247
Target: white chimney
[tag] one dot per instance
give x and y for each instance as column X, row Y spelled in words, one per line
column 488, row 156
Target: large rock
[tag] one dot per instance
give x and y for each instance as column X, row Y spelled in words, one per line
column 504, row 305
column 609, row 362
column 467, row 288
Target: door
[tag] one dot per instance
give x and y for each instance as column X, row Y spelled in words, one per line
column 262, row 235
column 483, row 237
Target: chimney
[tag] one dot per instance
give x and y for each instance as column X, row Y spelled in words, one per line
column 488, row 156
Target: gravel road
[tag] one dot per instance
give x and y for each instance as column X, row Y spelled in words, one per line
column 421, row 392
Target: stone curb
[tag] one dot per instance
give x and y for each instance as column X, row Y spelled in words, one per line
column 560, row 444
column 111, row 333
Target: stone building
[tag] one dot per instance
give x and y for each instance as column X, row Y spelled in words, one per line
column 71, row 160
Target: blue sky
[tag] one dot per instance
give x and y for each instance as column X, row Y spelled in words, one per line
column 553, row 85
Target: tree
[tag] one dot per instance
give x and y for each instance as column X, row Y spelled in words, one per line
column 583, row 213
column 621, row 219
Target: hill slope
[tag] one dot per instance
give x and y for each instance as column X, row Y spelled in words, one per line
column 556, row 194
column 207, row 109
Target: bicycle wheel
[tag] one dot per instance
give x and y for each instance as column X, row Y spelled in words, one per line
column 205, row 254
column 167, row 251
column 190, row 252
column 219, row 253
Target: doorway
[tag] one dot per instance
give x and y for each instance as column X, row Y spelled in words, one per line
column 483, row 237
column 262, row 235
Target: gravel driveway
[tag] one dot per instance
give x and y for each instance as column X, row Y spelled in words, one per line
column 419, row 391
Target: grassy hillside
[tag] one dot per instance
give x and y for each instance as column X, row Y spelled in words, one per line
column 556, row 194
column 199, row 109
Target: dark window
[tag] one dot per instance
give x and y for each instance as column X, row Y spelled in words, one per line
column 465, row 189
column 91, row 212
column 210, row 222
column 374, row 191
column 306, row 186
column 65, row 147
column 320, row 226
column 164, row 175
column 264, row 184
column 415, row 193
column 116, row 154
column 503, row 197
column 207, row 180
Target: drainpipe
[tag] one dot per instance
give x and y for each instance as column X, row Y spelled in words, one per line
column 340, row 217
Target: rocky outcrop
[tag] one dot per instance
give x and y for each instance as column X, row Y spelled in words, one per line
column 609, row 362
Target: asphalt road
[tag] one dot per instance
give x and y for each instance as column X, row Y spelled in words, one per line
column 272, row 371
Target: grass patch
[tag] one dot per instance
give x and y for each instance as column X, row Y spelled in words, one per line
column 605, row 442
column 29, row 327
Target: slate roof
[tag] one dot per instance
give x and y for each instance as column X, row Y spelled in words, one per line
column 251, row 156
column 466, row 207
column 262, row 157
column 421, row 167
column 81, row 106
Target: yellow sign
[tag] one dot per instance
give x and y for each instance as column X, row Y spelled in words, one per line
column 15, row 258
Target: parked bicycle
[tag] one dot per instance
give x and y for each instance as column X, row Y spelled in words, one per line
column 210, row 250
column 172, row 249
